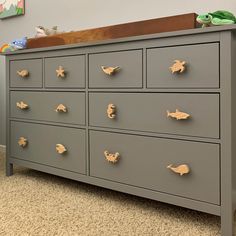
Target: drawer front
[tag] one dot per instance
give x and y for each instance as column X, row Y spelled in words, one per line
column 128, row 75
column 200, row 71
column 143, row 162
column 65, row 72
column 43, row 105
column 26, row 73
column 148, row 112
column 41, row 141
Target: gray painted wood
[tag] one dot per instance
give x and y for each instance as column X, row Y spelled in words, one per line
column 148, row 112
column 74, row 72
column 2, row 102
column 9, row 164
column 41, row 148
column 202, row 66
column 42, row 106
column 144, row 160
column 35, row 78
column 114, row 45
column 128, row 76
column 227, row 103
column 233, row 87
column 222, row 120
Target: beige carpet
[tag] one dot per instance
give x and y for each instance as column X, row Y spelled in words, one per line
column 35, row 203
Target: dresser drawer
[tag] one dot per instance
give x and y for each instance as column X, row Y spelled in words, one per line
column 200, row 71
column 142, row 161
column 63, row 107
column 148, row 112
column 26, row 73
column 40, row 144
column 65, row 72
column 128, row 74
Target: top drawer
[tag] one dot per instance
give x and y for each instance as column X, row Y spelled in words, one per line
column 26, row 73
column 128, row 74
column 65, row 72
column 201, row 69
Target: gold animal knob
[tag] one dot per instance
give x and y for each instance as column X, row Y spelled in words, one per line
column 23, row 73
column 22, row 142
column 178, row 67
column 60, row 148
column 181, row 169
column 112, row 157
column 111, row 111
column 110, row 70
column 61, row 108
column 60, row 72
column 178, row 115
column 21, row 105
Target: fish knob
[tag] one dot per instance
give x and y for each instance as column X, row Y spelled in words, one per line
column 23, row 73
column 110, row 70
column 60, row 148
column 181, row 169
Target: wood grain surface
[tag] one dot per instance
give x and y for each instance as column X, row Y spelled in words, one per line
column 165, row 24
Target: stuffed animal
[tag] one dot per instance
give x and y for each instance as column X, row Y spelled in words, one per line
column 216, row 18
column 19, row 43
column 42, row 31
column 6, row 48
column 16, row 44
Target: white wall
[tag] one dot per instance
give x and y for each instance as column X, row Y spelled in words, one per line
column 82, row 14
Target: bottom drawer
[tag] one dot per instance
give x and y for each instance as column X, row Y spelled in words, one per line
column 39, row 143
column 143, row 162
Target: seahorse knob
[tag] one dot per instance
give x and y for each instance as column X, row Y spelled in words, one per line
column 111, row 111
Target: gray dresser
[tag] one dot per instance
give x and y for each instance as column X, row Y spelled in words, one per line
column 153, row 116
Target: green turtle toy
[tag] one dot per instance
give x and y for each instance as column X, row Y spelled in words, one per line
column 217, row 18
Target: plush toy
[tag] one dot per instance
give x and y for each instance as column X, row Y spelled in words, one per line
column 19, row 43
column 6, row 48
column 42, row 32
column 216, row 18
column 16, row 44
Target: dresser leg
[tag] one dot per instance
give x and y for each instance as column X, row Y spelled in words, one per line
column 9, row 169
column 227, row 224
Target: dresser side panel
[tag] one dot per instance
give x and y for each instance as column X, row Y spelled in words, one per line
column 233, row 88
column 9, row 165
column 227, row 116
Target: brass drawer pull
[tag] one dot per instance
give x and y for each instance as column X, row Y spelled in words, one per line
column 112, row 157
column 178, row 115
column 22, row 142
column 110, row 70
column 181, row 169
column 178, row 67
column 21, row 105
column 60, row 72
column 23, row 73
column 60, row 148
column 61, row 108
column 111, row 111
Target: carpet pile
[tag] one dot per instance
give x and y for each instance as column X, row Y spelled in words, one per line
column 36, row 203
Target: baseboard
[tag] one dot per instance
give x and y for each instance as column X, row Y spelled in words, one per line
column 2, row 148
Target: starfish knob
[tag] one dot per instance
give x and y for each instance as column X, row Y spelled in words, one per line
column 60, row 72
